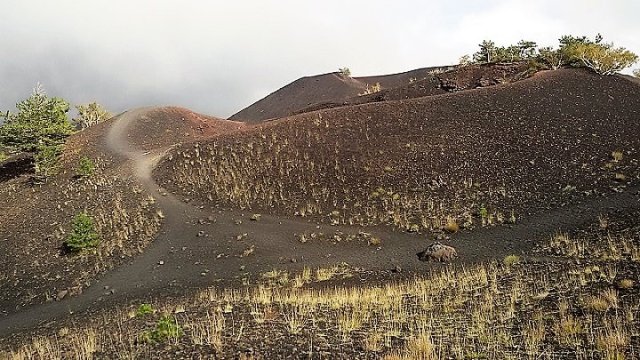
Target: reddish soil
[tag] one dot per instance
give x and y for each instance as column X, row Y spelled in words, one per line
column 167, row 126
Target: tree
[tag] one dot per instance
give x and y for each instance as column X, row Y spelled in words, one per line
column 40, row 126
column 345, row 71
column 40, row 121
column 89, row 115
column 603, row 58
column 83, row 234
column 465, row 60
column 552, row 57
column 486, row 53
column 527, row 49
column 569, row 45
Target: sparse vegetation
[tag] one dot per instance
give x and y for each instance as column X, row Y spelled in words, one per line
column 485, row 311
column 90, row 115
column 602, row 58
column 371, row 89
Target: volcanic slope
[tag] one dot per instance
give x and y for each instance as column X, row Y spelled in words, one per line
column 326, row 88
column 438, row 82
column 478, row 157
column 33, row 267
column 334, row 89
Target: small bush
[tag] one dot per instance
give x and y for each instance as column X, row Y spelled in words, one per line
column 83, row 234
column 451, row 226
column 345, row 71
column 86, row 167
column 144, row 309
column 625, row 283
column 166, row 328
column 3, row 156
column 371, row 89
column 511, row 260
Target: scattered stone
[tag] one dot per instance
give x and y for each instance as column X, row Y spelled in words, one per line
column 397, row 269
column 160, row 262
column 61, row 295
column 200, row 233
column 256, row 217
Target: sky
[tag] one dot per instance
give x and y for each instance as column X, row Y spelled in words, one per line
column 217, row 57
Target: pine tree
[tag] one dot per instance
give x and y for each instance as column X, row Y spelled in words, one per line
column 83, row 234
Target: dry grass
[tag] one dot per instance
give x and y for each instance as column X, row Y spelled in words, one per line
column 289, row 173
column 486, row 311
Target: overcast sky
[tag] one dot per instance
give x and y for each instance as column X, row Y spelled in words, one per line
column 217, row 57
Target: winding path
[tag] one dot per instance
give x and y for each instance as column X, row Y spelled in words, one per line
column 198, row 247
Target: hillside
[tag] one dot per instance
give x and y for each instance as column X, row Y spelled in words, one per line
column 490, row 155
column 298, row 237
column 438, row 83
column 126, row 214
column 334, row 90
column 326, row 88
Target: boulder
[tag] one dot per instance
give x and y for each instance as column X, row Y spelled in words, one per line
column 438, row 252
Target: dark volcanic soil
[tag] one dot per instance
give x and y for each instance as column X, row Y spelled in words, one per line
column 559, row 151
column 478, row 156
column 332, row 88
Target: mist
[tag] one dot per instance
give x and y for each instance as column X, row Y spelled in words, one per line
column 218, row 57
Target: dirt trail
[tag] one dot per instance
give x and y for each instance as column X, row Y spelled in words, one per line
column 199, row 247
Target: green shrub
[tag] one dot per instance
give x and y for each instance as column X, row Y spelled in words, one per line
column 144, row 309
column 47, row 160
column 40, row 126
column 166, row 328
column 86, row 167
column 83, row 234
column 605, row 59
column 3, row 156
column 89, row 115
column 511, row 260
